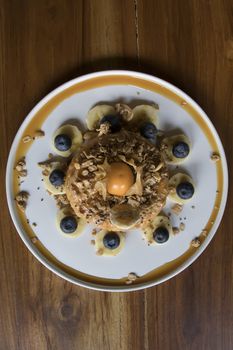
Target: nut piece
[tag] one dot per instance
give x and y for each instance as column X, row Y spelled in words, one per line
column 215, row 157
column 177, row 208
column 22, row 196
column 39, row 134
column 100, row 252
column 45, row 172
column 94, row 232
column 104, row 128
column 21, row 167
column 204, row 233
column 175, row 230
column 131, row 278
column 125, row 111
column 21, row 200
column 196, row 242
column 182, row 226
column 27, row 138
column 23, row 173
column 21, row 164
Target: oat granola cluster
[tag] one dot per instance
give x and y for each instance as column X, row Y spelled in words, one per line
column 86, row 176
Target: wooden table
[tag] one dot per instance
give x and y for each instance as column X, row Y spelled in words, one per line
column 45, row 43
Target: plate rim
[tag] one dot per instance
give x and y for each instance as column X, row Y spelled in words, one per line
column 95, row 286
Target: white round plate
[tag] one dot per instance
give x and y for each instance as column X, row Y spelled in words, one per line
column 74, row 259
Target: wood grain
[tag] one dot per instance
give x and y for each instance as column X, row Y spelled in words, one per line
column 45, row 43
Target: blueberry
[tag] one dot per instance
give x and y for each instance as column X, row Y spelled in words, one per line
column 180, row 149
column 149, row 131
column 161, row 235
column 111, row 240
column 68, row 224
column 57, row 177
column 185, row 190
column 62, row 142
column 114, row 120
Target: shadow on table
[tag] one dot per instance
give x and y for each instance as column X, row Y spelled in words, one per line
column 184, row 78
column 111, row 63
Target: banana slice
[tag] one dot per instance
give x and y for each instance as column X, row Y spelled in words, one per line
column 109, row 243
column 124, row 216
column 96, row 114
column 175, row 181
column 159, row 230
column 61, row 168
column 176, row 149
column 71, row 135
column 72, row 225
column 144, row 113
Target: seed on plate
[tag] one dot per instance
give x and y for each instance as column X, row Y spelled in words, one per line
column 27, row 138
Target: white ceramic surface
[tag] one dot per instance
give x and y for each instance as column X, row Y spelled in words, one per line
column 136, row 257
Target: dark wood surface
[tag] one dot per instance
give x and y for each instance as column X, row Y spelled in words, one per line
column 45, row 43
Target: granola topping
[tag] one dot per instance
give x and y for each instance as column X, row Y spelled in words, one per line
column 196, row 242
column 39, row 134
column 177, row 208
column 215, row 157
column 86, row 187
column 21, row 200
column 27, row 138
column 125, row 111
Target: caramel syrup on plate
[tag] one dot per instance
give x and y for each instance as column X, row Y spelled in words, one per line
column 37, row 122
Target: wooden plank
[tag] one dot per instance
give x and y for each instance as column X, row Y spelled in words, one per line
column 190, row 44
column 43, row 44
